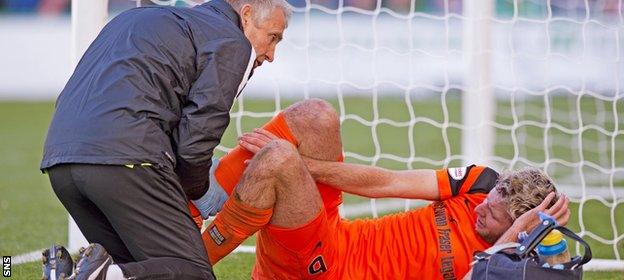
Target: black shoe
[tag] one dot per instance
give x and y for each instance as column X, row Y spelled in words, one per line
column 93, row 263
column 57, row 263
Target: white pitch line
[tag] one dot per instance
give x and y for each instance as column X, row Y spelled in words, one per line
column 26, row 258
column 245, row 249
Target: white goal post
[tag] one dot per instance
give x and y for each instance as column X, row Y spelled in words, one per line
column 511, row 83
column 87, row 19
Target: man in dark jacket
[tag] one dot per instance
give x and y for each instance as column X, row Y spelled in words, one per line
column 133, row 133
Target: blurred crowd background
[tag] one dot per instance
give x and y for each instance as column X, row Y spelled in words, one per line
column 534, row 42
column 504, row 8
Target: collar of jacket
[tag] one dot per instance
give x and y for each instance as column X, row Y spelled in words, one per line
column 226, row 9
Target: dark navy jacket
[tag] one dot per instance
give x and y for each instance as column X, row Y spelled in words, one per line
column 156, row 86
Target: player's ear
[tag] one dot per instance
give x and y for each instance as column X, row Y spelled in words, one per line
column 246, row 14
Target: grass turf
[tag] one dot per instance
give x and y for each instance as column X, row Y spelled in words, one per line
column 238, row 266
column 32, row 217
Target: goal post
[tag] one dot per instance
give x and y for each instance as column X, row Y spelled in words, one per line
column 478, row 101
column 87, row 19
column 436, row 84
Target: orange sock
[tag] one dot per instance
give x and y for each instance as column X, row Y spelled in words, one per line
column 235, row 223
column 197, row 218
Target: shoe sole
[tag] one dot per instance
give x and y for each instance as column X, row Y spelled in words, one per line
column 87, row 252
column 97, row 271
column 45, row 257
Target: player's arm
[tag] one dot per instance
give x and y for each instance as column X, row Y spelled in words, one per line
column 359, row 179
column 375, row 182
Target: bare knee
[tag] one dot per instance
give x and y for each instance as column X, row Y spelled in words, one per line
column 315, row 114
column 257, row 186
column 274, row 160
column 276, row 156
column 281, row 160
column 316, row 126
column 273, row 169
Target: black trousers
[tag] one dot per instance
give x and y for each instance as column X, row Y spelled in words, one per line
column 140, row 215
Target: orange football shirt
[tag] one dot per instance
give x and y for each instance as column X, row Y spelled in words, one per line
column 433, row 242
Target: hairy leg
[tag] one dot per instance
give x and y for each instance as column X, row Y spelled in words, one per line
column 278, row 178
column 275, row 188
column 316, row 128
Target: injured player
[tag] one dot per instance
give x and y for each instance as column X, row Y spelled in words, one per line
column 286, row 182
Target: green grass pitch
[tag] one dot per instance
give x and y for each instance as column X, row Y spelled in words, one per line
column 32, row 218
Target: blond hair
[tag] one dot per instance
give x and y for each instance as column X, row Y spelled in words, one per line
column 524, row 190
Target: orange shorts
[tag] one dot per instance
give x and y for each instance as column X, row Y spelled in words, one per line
column 307, row 252
column 304, row 252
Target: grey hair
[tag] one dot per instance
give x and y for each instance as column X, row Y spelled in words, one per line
column 263, row 7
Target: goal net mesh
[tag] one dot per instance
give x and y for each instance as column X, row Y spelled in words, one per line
column 396, row 73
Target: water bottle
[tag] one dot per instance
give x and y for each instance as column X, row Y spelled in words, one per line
column 554, row 248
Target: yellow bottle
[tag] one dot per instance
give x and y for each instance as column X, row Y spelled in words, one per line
column 554, row 248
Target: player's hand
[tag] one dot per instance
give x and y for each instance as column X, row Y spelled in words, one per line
column 199, row 222
column 529, row 220
column 256, row 140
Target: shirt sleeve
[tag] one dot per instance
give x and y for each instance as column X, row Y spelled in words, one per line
column 205, row 115
column 470, row 179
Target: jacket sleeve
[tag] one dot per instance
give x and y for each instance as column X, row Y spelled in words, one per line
column 205, row 114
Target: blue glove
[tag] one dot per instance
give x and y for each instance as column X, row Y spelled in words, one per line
column 212, row 201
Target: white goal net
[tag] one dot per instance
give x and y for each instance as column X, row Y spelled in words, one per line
column 433, row 84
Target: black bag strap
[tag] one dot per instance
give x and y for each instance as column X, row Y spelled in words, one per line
column 587, row 255
column 536, row 236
